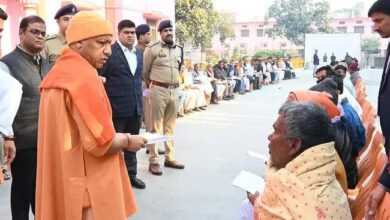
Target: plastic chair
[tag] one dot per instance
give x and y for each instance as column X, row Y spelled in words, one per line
column 366, row 165
column 383, row 211
column 370, row 128
column 366, row 184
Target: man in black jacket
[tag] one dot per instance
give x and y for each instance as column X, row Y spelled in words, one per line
column 123, row 71
column 316, row 62
column 380, row 15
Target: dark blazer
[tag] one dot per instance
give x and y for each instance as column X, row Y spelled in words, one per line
column 384, row 113
column 122, row 87
column 384, row 99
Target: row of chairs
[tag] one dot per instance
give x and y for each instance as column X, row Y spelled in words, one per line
column 371, row 161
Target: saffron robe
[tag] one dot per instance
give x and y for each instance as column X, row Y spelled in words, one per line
column 75, row 131
column 305, row 189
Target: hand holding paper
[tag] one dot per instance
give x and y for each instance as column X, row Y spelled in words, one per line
column 155, row 138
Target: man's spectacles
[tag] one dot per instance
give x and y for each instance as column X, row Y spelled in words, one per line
column 37, row 32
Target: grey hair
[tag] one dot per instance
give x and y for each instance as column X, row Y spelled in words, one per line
column 308, row 122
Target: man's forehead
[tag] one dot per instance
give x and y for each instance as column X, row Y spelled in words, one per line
column 128, row 29
column 279, row 121
column 37, row 25
column 67, row 16
column 379, row 15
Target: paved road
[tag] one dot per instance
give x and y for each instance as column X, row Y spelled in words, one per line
column 213, row 144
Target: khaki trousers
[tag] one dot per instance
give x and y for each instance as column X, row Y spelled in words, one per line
column 164, row 105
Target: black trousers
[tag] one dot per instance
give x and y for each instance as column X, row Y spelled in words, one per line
column 214, row 94
column 24, row 169
column 130, row 125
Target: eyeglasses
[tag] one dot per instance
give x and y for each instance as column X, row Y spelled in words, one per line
column 167, row 30
column 37, row 32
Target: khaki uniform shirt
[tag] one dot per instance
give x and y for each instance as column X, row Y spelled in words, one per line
column 162, row 62
column 54, row 45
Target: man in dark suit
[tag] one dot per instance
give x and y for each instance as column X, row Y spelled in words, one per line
column 380, row 15
column 123, row 71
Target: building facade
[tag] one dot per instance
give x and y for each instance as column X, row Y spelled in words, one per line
column 251, row 36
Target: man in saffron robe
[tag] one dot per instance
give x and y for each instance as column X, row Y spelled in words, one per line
column 81, row 171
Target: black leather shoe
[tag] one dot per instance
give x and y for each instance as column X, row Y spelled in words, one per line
column 137, row 183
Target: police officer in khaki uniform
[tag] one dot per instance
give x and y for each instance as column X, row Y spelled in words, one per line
column 56, row 42
column 162, row 62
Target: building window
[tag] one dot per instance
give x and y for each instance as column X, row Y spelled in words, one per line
column 244, row 26
column 153, row 28
column 264, row 45
column 260, row 25
column 342, row 29
column 283, row 45
column 358, row 29
column 242, row 46
column 359, row 22
column 342, row 22
column 244, row 33
column 260, row 32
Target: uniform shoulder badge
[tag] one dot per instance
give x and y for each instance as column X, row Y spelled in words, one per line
column 51, row 37
column 153, row 43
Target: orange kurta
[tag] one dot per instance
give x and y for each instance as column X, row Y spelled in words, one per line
column 75, row 131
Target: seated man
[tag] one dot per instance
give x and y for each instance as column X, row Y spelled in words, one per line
column 300, row 176
column 348, row 128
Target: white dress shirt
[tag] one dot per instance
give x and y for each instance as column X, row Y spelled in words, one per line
column 10, row 96
column 131, row 57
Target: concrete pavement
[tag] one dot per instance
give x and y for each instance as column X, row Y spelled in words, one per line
column 213, row 144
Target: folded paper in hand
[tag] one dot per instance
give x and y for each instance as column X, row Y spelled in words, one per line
column 249, row 182
column 155, row 138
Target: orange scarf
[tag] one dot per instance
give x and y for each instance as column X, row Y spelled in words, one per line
column 320, row 98
column 74, row 74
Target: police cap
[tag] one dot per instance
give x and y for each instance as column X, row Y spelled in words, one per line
column 164, row 24
column 66, row 10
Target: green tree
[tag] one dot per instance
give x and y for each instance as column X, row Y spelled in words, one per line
column 295, row 18
column 225, row 27
column 370, row 46
column 197, row 21
column 268, row 53
column 358, row 9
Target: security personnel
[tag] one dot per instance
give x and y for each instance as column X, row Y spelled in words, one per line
column 162, row 62
column 144, row 36
column 56, row 42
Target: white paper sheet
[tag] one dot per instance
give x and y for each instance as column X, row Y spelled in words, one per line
column 249, row 182
column 155, row 138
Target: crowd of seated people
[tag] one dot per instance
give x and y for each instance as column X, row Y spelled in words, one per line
column 203, row 84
